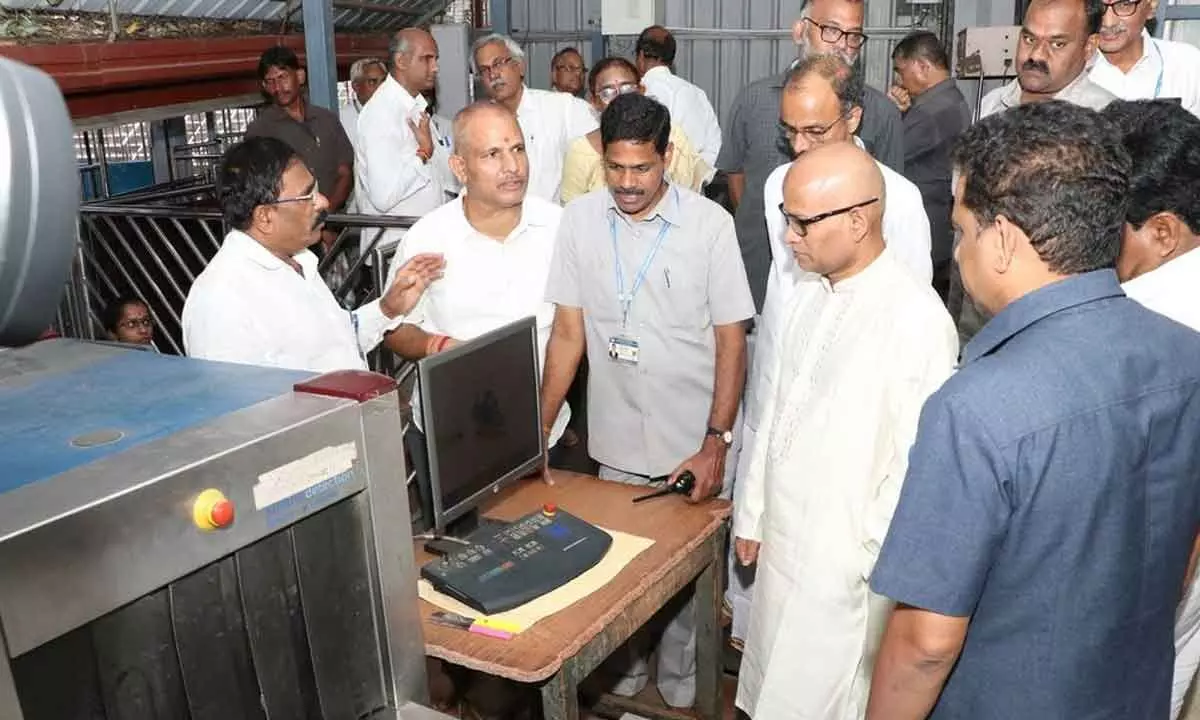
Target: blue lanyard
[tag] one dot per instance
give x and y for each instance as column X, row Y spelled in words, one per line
column 1161, row 66
column 627, row 300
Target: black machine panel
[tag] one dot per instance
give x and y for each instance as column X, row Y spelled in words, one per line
column 253, row 636
column 509, row 565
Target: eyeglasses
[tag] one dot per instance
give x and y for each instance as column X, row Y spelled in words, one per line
column 813, row 133
column 1122, row 8
column 833, row 35
column 608, row 93
column 131, row 323
column 310, row 196
column 800, row 225
column 497, row 65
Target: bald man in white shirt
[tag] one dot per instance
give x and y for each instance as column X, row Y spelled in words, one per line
column 549, row 120
column 393, row 163
column 497, row 240
column 687, row 103
column 260, row 300
column 820, row 105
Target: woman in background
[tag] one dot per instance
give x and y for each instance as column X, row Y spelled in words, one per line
column 583, row 167
column 127, row 320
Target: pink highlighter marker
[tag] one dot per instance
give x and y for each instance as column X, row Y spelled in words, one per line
column 490, row 632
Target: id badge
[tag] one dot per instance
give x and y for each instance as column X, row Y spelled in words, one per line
column 623, row 349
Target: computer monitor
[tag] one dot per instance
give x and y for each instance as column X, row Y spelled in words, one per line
column 481, row 413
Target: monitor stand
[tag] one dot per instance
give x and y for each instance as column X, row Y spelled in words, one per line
column 458, row 531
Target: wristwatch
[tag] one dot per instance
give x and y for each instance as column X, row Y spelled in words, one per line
column 725, row 435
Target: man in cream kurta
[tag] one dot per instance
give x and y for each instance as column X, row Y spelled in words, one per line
column 864, row 343
column 814, row 96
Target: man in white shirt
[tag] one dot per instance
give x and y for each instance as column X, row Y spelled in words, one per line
column 260, row 300
column 1159, row 267
column 396, row 141
column 864, row 344
column 688, row 104
column 567, row 72
column 497, row 241
column 549, row 120
column 1057, row 39
column 820, row 105
column 1134, row 66
column 366, row 75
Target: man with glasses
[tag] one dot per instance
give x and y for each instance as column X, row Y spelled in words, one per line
column 260, row 300
column 1057, row 39
column 690, row 109
column 549, row 120
column 567, row 71
column 752, row 146
column 1134, row 66
column 821, row 105
column 865, row 343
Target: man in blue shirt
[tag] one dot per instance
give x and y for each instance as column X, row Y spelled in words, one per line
column 1042, row 538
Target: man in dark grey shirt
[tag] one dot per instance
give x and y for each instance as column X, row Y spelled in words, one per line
column 315, row 133
column 935, row 112
column 753, row 146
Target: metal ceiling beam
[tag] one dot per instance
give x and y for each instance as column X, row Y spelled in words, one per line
column 318, row 49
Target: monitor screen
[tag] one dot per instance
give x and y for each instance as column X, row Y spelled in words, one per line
column 482, row 417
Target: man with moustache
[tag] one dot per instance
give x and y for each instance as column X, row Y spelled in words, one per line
column 864, row 344
column 395, row 166
column 315, row 133
column 821, row 105
column 497, row 242
column 753, row 145
column 260, row 300
column 567, row 72
column 1057, row 39
column 648, row 281
column 549, row 120
column 1134, row 66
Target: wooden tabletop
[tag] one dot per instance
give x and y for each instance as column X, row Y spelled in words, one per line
column 677, row 528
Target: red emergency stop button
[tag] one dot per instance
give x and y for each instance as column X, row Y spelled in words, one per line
column 549, row 509
column 212, row 510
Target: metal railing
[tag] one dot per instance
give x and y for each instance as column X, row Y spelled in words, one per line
column 156, row 251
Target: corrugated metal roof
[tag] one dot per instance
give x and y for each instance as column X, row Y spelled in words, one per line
column 344, row 18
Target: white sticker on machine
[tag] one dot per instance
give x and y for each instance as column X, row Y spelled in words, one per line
column 299, row 475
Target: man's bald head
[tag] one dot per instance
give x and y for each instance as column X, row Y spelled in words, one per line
column 413, row 59
column 470, row 117
column 654, row 47
column 833, row 199
column 489, row 155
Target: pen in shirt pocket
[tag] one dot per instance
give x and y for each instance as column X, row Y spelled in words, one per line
column 667, row 276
